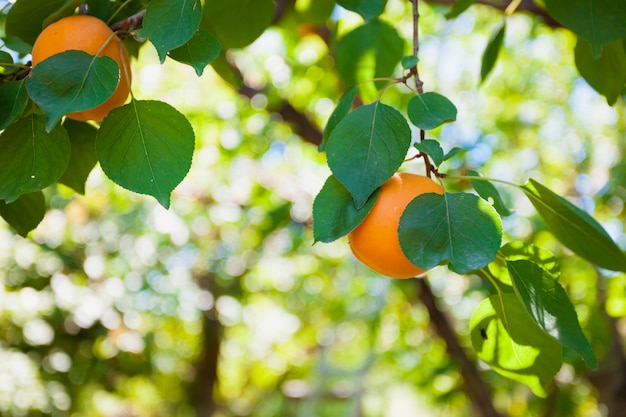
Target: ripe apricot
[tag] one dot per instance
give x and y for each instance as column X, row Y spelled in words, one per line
column 88, row 34
column 375, row 241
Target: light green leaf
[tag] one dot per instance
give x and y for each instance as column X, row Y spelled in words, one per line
column 146, row 147
column 31, row 158
column 334, row 212
column 199, row 52
column 457, row 227
column 367, row 147
column 607, row 74
column 430, row 110
column 516, row 251
column 574, row 228
column 459, row 7
column 171, row 23
column 25, row 213
column 72, row 81
column 490, row 56
column 506, row 338
column 548, row 304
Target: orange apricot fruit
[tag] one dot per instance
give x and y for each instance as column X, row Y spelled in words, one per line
column 91, row 35
column 375, row 241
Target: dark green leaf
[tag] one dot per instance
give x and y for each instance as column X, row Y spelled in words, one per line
column 506, row 338
column 430, row 110
column 452, row 153
column 25, row 213
column 368, row 9
column 6, row 58
column 315, row 12
column 409, row 61
column 341, row 111
column 237, row 23
column 607, row 75
column 31, row 158
column 25, row 18
column 431, row 148
column 334, row 212
column 18, row 45
column 457, row 227
column 489, row 192
column 576, row 229
column 597, row 21
column 370, row 51
column 69, row 7
column 146, row 147
column 83, row 157
column 492, row 50
column 548, row 304
column 515, row 251
column 367, row 147
column 171, row 23
column 72, row 81
column 199, row 52
column 223, row 68
column 13, row 98
column 459, row 7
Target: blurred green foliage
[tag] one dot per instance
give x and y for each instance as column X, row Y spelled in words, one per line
column 112, row 305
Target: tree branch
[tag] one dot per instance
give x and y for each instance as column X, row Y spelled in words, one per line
column 475, row 387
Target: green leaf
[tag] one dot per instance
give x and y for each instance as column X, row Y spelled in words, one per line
column 506, row 338
column 459, row 7
column 430, row 110
column 368, row 9
column 334, row 212
column 341, row 111
column 548, row 304
column 31, row 158
column 370, row 51
column 515, row 251
column 452, row 153
column 490, row 56
column 146, row 147
column 597, row 21
column 367, row 147
column 83, row 157
column 13, row 99
column 457, row 227
column 607, row 74
column 409, row 61
column 25, row 213
column 6, row 58
column 431, row 148
column 574, row 228
column 69, row 7
column 199, row 52
column 72, row 81
column 489, row 192
column 25, row 18
column 237, row 23
column 18, row 45
column 171, row 23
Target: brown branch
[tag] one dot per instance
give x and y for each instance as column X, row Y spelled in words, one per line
column 476, row 389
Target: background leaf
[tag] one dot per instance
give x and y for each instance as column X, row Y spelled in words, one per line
column 488, row 191
column 368, row 9
column 83, row 156
column 459, row 7
column 367, row 147
column 146, row 147
column 72, row 81
column 341, row 111
column 25, row 18
column 574, row 228
column 237, row 23
column 370, row 51
column 430, row 110
column 597, row 21
column 334, row 212
column 548, row 304
column 607, row 74
column 25, row 213
column 506, row 338
column 199, row 52
column 31, row 158
column 13, row 99
column 457, row 227
column 490, row 56
column 171, row 23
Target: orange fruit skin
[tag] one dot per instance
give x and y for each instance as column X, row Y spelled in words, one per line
column 88, row 34
column 375, row 241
